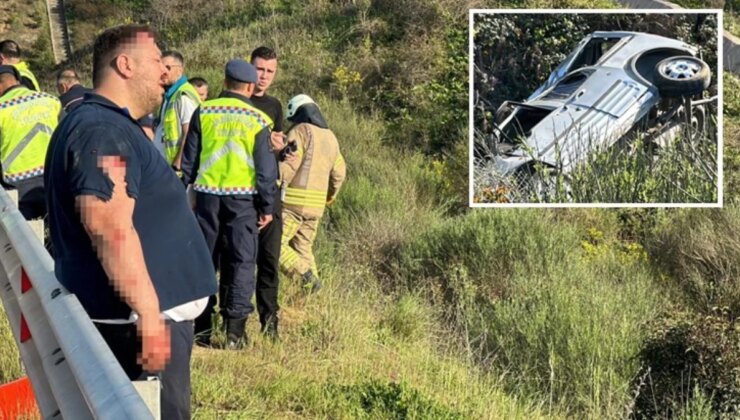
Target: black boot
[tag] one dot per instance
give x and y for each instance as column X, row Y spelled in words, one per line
column 310, row 282
column 236, row 336
column 270, row 327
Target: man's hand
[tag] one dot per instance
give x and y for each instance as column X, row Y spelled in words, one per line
column 155, row 343
column 290, row 158
column 277, row 140
column 264, row 220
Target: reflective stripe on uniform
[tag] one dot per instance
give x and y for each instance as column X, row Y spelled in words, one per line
column 230, row 146
column 22, row 99
column 303, row 197
column 224, row 190
column 235, row 110
column 38, row 128
column 24, row 175
column 288, row 257
column 229, row 129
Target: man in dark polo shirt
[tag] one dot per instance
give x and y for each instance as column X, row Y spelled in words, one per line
column 125, row 240
column 264, row 60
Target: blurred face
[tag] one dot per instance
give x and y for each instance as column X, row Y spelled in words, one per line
column 266, row 70
column 202, row 92
column 173, row 70
column 148, row 81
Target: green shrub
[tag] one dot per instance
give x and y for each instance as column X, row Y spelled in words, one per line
column 688, row 356
column 698, row 253
column 374, row 400
column 557, row 309
column 408, row 319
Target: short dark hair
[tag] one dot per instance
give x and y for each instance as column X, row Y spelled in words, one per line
column 10, row 48
column 265, row 53
column 68, row 75
column 174, row 54
column 233, row 84
column 109, row 43
column 198, row 81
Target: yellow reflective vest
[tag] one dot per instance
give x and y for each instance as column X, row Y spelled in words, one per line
column 171, row 123
column 27, row 119
column 229, row 128
column 23, row 69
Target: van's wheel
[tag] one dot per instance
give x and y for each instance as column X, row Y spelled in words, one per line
column 681, row 76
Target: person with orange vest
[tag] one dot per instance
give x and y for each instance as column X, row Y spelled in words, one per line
column 27, row 120
column 312, row 181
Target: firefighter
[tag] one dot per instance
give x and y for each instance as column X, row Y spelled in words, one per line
column 312, row 182
column 227, row 159
column 27, row 119
column 10, row 54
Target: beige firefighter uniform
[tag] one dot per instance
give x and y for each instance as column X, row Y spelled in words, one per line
column 312, row 181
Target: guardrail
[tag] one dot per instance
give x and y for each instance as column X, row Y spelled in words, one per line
column 73, row 373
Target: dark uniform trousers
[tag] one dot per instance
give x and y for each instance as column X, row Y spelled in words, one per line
column 31, row 198
column 125, row 344
column 234, row 218
column 268, row 265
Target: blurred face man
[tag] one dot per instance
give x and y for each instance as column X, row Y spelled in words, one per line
column 135, row 76
column 173, row 70
column 265, row 74
column 151, row 73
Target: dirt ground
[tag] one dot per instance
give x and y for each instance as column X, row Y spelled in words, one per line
column 19, row 20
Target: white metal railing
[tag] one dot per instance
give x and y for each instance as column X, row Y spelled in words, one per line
column 73, row 373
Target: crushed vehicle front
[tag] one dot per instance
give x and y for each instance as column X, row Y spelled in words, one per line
column 588, row 103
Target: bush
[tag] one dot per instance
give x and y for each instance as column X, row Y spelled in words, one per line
column 698, row 253
column 688, row 355
column 373, row 400
column 558, row 310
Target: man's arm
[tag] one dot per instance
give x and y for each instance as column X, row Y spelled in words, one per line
column 336, row 178
column 185, row 108
column 266, row 169
column 191, row 149
column 178, row 157
column 289, row 167
column 110, row 227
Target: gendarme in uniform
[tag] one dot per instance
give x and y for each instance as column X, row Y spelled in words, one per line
column 228, row 160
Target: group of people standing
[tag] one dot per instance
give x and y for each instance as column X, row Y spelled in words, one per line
column 143, row 214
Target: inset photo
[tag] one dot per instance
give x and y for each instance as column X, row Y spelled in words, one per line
column 595, row 108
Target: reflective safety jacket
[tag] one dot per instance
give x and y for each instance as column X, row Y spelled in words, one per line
column 172, row 127
column 23, row 69
column 314, row 179
column 27, row 119
column 228, row 129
